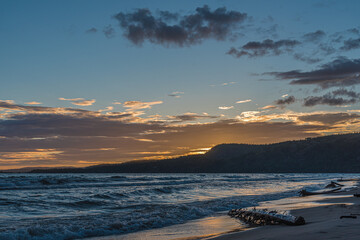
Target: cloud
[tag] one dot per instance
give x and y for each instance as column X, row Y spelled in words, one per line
column 109, row 31
column 268, row 107
column 267, row 47
column 329, row 118
column 333, row 99
column 285, row 95
column 353, row 31
column 244, row 101
column 327, row 99
column 227, row 83
column 226, row 108
column 79, row 101
column 190, row 117
column 76, row 140
column 248, row 115
column 10, row 105
column 46, row 136
column 314, row 36
column 223, row 84
column 7, row 101
column 351, row 44
column 340, row 72
column 91, row 30
column 285, row 100
column 345, row 92
column 141, row 25
column 168, row 16
column 135, row 105
column 176, row 94
column 33, row 103
column 117, row 102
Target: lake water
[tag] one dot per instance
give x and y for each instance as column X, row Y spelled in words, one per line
column 72, row 206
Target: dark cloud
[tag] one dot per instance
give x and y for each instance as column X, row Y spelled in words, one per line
column 345, row 92
column 142, row 25
column 109, row 31
column 58, row 136
column 45, row 125
column 190, row 117
column 70, row 141
column 354, row 31
column 338, row 37
column 45, row 136
column 176, row 94
column 333, row 99
column 327, row 99
column 39, row 109
column 329, row 118
column 168, row 16
column 266, row 47
column 314, row 36
column 351, row 44
column 285, row 101
column 340, row 72
column 91, row 30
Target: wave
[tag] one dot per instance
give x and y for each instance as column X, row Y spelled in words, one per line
column 84, row 203
column 79, row 206
column 138, row 217
column 56, row 182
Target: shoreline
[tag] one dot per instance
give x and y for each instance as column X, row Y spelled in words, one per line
column 322, row 215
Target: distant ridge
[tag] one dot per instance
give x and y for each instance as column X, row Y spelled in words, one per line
column 328, row 154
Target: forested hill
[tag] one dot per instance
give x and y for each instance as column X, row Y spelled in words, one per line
column 335, row 153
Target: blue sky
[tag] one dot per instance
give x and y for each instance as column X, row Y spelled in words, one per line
column 47, row 53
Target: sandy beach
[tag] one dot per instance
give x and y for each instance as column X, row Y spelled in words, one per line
column 322, row 214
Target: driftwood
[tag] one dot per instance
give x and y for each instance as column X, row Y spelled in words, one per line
column 333, row 185
column 304, row 193
column 356, row 195
column 347, row 217
column 264, row 217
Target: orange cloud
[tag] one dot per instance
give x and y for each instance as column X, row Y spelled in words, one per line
column 226, row 108
column 46, row 136
column 79, row 101
column 135, row 105
column 33, row 103
column 244, row 101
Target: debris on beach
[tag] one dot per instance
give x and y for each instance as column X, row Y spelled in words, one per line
column 334, row 184
column 356, row 195
column 348, row 217
column 265, row 217
column 304, row 192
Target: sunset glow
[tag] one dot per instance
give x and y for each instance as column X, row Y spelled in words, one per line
column 87, row 89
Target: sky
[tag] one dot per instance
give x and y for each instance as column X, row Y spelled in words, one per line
column 90, row 82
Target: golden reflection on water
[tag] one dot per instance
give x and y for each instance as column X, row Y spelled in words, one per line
column 195, row 229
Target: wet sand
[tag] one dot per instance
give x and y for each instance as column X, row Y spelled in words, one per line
column 322, row 215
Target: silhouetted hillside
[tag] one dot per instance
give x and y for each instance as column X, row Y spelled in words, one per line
column 335, row 153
